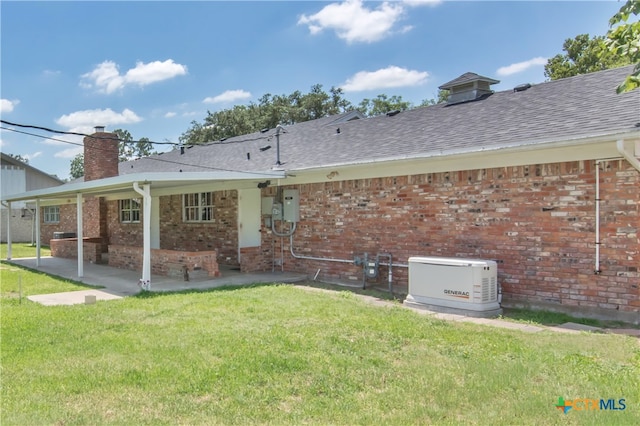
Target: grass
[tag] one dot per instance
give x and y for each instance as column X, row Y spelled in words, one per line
column 19, row 250
column 278, row 354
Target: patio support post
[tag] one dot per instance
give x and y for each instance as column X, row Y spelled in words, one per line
column 145, row 282
column 8, row 230
column 37, row 232
column 79, row 232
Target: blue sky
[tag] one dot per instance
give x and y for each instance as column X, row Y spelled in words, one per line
column 152, row 67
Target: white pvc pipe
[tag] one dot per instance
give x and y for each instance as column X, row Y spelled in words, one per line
column 597, row 266
column 38, row 246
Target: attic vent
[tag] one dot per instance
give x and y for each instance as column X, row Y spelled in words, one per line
column 468, row 87
column 392, row 113
column 522, row 87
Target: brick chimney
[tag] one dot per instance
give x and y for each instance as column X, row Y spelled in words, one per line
column 100, row 161
column 100, row 155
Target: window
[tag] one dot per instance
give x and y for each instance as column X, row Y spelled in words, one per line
column 129, row 210
column 197, row 207
column 52, row 214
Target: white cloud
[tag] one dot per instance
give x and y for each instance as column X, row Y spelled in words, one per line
column 228, row 96
column 170, row 114
column 106, row 77
column 85, row 121
column 384, row 78
column 7, row 106
column 521, row 66
column 32, row 156
column 354, row 22
column 69, row 152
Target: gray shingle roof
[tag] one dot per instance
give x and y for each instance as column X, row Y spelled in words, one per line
column 555, row 111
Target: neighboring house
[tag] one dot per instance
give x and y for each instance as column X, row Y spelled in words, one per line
column 543, row 179
column 18, row 177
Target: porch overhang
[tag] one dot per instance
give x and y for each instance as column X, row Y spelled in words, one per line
column 161, row 184
column 133, row 186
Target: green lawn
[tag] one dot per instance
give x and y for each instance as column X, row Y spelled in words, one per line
column 19, row 250
column 279, row 354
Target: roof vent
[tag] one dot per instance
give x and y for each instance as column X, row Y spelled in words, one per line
column 522, row 87
column 99, row 129
column 392, row 113
column 468, row 87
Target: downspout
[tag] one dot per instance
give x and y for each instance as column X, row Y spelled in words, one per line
column 597, row 267
column 145, row 281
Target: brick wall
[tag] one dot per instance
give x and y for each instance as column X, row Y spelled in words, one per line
column 100, row 156
column 94, row 225
column 164, row 262
column 221, row 234
column 537, row 221
column 68, row 249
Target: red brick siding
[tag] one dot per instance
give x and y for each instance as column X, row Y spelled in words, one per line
column 68, row 249
column 221, row 234
column 94, row 224
column 131, row 234
column 128, row 257
column 537, row 221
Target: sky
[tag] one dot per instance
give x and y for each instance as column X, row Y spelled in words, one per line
column 153, row 67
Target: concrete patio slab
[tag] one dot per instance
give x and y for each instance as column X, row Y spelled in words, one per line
column 72, row 297
column 112, row 283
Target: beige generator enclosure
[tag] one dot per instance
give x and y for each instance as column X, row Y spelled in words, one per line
column 454, row 285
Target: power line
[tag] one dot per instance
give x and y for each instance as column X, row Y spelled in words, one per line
column 162, row 160
column 64, row 132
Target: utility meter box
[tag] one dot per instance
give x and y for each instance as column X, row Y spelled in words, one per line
column 291, row 205
column 276, row 211
column 267, row 206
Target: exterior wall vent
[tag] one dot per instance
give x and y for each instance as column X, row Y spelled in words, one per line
column 468, row 87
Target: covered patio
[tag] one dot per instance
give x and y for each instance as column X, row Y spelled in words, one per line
column 124, row 282
column 149, row 187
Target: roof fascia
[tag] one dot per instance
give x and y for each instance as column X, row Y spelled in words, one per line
column 124, row 182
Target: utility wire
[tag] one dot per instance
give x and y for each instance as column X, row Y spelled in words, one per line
column 64, row 132
column 162, row 160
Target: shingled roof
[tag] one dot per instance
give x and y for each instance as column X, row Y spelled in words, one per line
column 552, row 112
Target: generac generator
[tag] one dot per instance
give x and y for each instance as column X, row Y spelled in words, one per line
column 454, row 285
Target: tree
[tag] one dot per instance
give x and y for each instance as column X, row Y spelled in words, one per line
column 128, row 149
column 583, row 55
column 383, row 104
column 623, row 39
column 443, row 95
column 270, row 111
column 19, row 157
column 77, row 166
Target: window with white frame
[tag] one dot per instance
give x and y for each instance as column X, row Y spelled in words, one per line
column 129, row 210
column 197, row 207
column 52, row 214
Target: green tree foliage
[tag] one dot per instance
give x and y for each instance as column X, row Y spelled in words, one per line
column 77, row 166
column 583, row 55
column 268, row 112
column 383, row 104
column 623, row 39
column 442, row 98
column 19, row 157
column 128, row 149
